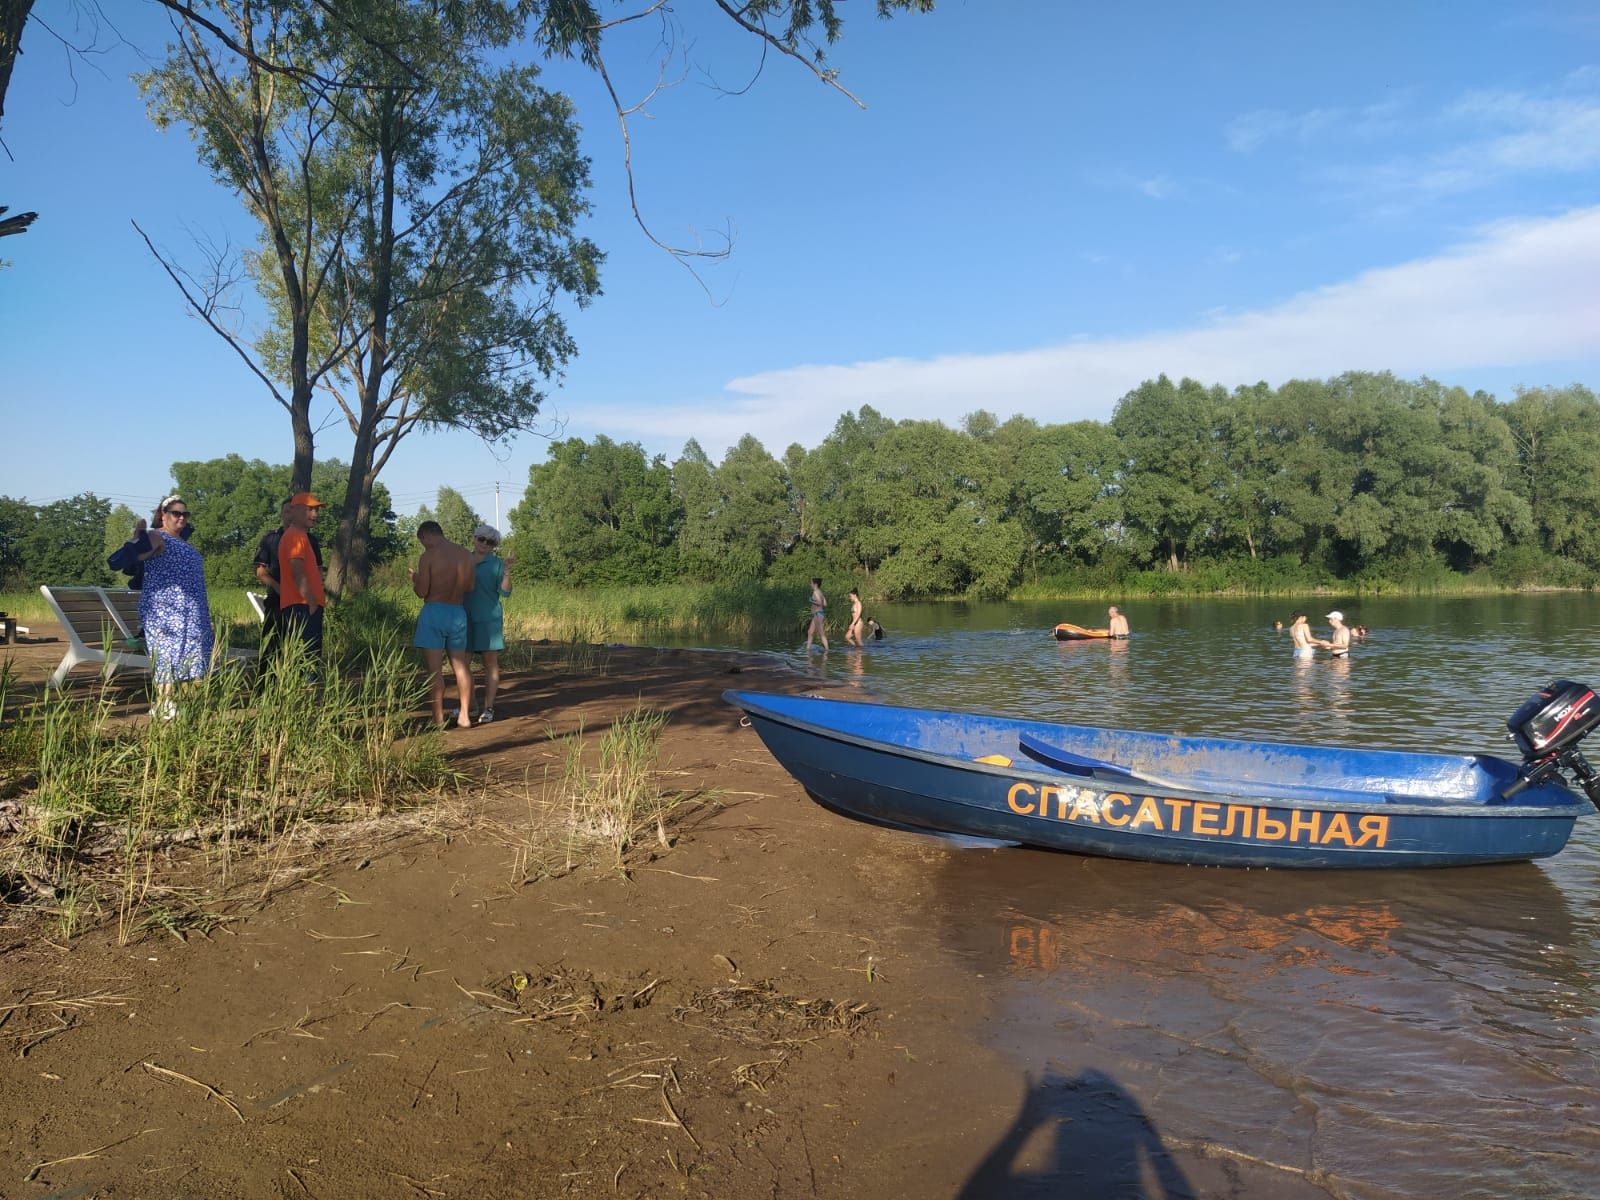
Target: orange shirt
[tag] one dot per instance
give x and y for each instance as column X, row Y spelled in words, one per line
column 295, row 544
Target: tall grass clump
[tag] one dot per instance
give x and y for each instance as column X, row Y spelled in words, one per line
column 8, row 685
column 373, row 620
column 614, row 802
column 245, row 757
column 736, row 612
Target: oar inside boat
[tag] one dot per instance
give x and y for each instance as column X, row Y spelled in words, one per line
column 1547, row 729
column 1074, row 763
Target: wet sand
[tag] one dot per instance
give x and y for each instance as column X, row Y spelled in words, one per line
column 783, row 1003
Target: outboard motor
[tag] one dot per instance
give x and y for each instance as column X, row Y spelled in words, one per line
column 1547, row 729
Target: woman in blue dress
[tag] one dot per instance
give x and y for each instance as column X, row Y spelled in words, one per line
column 172, row 604
column 491, row 577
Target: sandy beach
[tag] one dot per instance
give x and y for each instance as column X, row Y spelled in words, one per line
column 396, row 1009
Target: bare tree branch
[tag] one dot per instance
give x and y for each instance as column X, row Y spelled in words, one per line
column 205, row 313
column 683, row 255
column 828, row 77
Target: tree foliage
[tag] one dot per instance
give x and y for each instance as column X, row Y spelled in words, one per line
column 417, row 194
column 233, row 502
column 417, row 220
column 455, row 516
column 602, row 513
column 1364, row 475
column 62, row 542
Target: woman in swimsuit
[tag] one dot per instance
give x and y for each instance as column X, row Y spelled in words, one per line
column 1300, row 634
column 819, row 616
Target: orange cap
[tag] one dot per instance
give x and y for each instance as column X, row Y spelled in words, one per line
column 305, row 498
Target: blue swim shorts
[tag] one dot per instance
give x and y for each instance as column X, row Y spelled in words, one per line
column 486, row 635
column 441, row 627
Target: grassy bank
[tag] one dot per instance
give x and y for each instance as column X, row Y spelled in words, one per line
column 103, row 792
column 96, row 796
column 1419, row 576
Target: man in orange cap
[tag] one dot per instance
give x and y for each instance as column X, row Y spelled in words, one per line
column 300, row 596
column 267, row 570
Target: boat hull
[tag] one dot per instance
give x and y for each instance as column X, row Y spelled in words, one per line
column 938, row 786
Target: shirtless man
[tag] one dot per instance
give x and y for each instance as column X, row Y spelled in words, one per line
column 1116, row 622
column 1305, row 646
column 852, row 635
column 1339, row 643
column 443, row 577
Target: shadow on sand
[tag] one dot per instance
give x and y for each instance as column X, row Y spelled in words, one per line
column 1100, row 1146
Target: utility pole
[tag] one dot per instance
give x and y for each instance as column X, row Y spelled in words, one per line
column 497, row 508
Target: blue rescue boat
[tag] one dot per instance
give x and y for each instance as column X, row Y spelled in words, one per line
column 1199, row 801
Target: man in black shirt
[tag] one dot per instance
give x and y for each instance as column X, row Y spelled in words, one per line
column 267, row 575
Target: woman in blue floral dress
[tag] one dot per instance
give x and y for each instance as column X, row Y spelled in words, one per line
column 172, row 604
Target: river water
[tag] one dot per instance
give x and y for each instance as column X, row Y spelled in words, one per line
column 1356, row 1034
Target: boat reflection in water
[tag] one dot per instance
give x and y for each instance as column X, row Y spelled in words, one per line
column 1338, row 1025
column 1293, row 940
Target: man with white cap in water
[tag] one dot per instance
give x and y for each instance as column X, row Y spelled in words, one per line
column 1339, row 642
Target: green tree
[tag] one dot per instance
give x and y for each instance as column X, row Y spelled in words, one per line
column 1297, row 470
column 1066, row 488
column 1482, row 513
column 936, row 517
column 417, row 230
column 417, row 200
column 830, row 508
column 604, row 513
column 65, row 542
column 1556, row 433
column 1172, row 468
column 736, row 517
column 753, row 513
column 456, row 517
column 695, row 486
column 16, row 522
column 1419, row 474
column 234, row 502
column 120, row 522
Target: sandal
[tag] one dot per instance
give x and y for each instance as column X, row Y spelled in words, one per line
column 486, row 716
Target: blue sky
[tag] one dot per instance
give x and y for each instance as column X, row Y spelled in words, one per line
column 1042, row 204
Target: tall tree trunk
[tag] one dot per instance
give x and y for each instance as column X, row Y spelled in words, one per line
column 352, row 559
column 13, row 16
column 305, row 444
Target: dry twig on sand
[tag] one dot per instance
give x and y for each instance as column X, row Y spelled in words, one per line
column 205, row 1087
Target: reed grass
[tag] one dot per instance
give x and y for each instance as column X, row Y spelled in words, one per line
column 741, row 612
column 247, row 758
column 573, row 654
column 612, row 799
column 8, row 685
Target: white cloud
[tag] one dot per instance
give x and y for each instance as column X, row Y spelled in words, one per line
column 1252, row 130
column 1156, row 187
column 1478, row 139
column 1521, row 294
